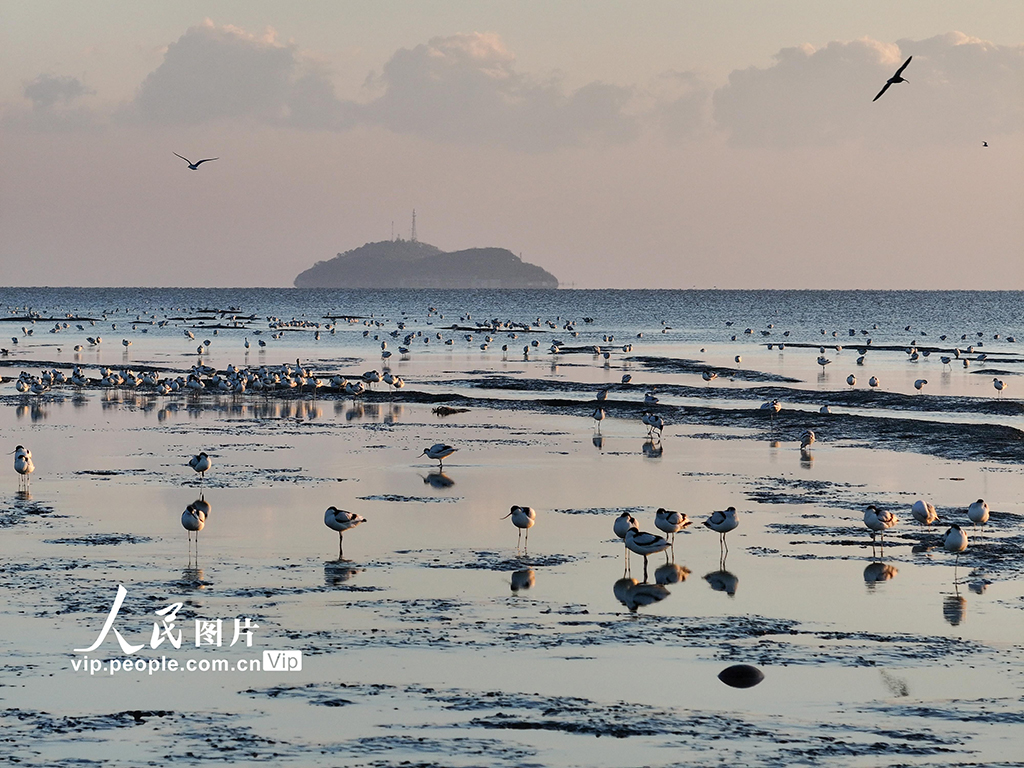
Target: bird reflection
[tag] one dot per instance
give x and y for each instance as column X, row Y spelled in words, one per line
column 634, row 594
column 954, row 608
column 438, row 480
column 806, row 458
column 192, row 578
column 23, row 494
column 598, row 440
column 670, row 573
column 523, row 579
column 723, row 580
column 878, row 571
column 337, row 572
column 653, row 450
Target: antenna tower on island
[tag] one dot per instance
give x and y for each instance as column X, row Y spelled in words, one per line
column 412, row 235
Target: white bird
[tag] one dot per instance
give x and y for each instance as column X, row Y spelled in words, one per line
column 439, row 451
column 773, row 407
column 623, row 523
column 924, row 512
column 977, row 512
column 670, row 522
column 825, row 409
column 341, row 520
column 873, row 381
column 722, row 522
column 195, row 166
column 878, row 520
column 523, row 518
column 955, row 540
column 807, row 440
column 708, row 375
column 645, row 544
column 894, row 79
column 823, row 361
column 200, row 463
column 193, row 519
column 23, row 464
column 999, row 384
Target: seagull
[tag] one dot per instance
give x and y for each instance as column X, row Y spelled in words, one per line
column 670, row 522
column 978, row 512
column 200, row 463
column 722, row 522
column 341, row 520
column 523, row 518
column 897, row 78
column 23, row 464
column 439, row 451
column 195, row 166
column 924, row 512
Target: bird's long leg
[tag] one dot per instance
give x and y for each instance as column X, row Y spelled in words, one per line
column 725, row 543
column 339, row 544
column 519, row 541
column 645, row 569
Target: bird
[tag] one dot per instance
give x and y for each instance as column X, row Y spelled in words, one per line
column 670, row 522
column 200, row 463
column 193, row 519
column 807, row 439
column 999, row 384
column 341, row 520
column 919, row 384
column 523, row 518
column 955, row 540
column 977, row 512
column 823, row 361
column 826, row 410
column 897, row 78
column 623, row 523
column 773, row 407
column 195, row 166
column 439, row 451
column 708, row 375
column 645, row 544
column 722, row 522
column 23, row 464
column 598, row 417
column 984, row 143
column 924, row 512
column 873, row 381
column 626, row 378
column 851, row 380
column 878, row 520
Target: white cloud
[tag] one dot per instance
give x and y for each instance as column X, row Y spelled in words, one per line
column 958, row 89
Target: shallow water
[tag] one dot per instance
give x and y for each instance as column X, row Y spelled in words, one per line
column 417, row 634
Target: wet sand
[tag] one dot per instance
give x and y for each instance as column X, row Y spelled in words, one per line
column 434, row 641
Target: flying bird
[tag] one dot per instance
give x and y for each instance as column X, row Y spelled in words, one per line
column 195, row 166
column 897, row 78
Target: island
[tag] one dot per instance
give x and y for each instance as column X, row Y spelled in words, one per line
column 412, row 264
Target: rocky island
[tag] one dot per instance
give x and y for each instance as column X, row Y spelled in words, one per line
column 412, row 264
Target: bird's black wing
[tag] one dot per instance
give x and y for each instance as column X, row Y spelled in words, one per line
column 200, row 162
column 183, row 158
column 900, row 70
column 884, row 89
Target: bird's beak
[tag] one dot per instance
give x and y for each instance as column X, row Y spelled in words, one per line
column 508, row 515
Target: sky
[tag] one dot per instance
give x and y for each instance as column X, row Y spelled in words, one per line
column 642, row 144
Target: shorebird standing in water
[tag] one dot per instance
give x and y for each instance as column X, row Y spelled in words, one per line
column 195, row 166
column 645, row 544
column 23, row 465
column 977, row 512
column 523, row 518
column 670, row 522
column 341, row 520
column 897, row 78
column 200, row 463
column 439, row 451
column 924, row 512
column 878, row 521
column 722, row 522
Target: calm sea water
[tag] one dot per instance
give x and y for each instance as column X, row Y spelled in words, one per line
column 691, row 316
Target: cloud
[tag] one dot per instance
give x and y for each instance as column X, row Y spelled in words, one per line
column 959, row 89
column 458, row 89
column 46, row 91
column 681, row 104
column 465, row 88
column 214, row 73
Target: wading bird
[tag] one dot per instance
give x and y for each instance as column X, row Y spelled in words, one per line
column 523, row 518
column 439, row 451
column 341, row 520
column 924, row 512
column 23, row 465
column 722, row 522
column 200, row 463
